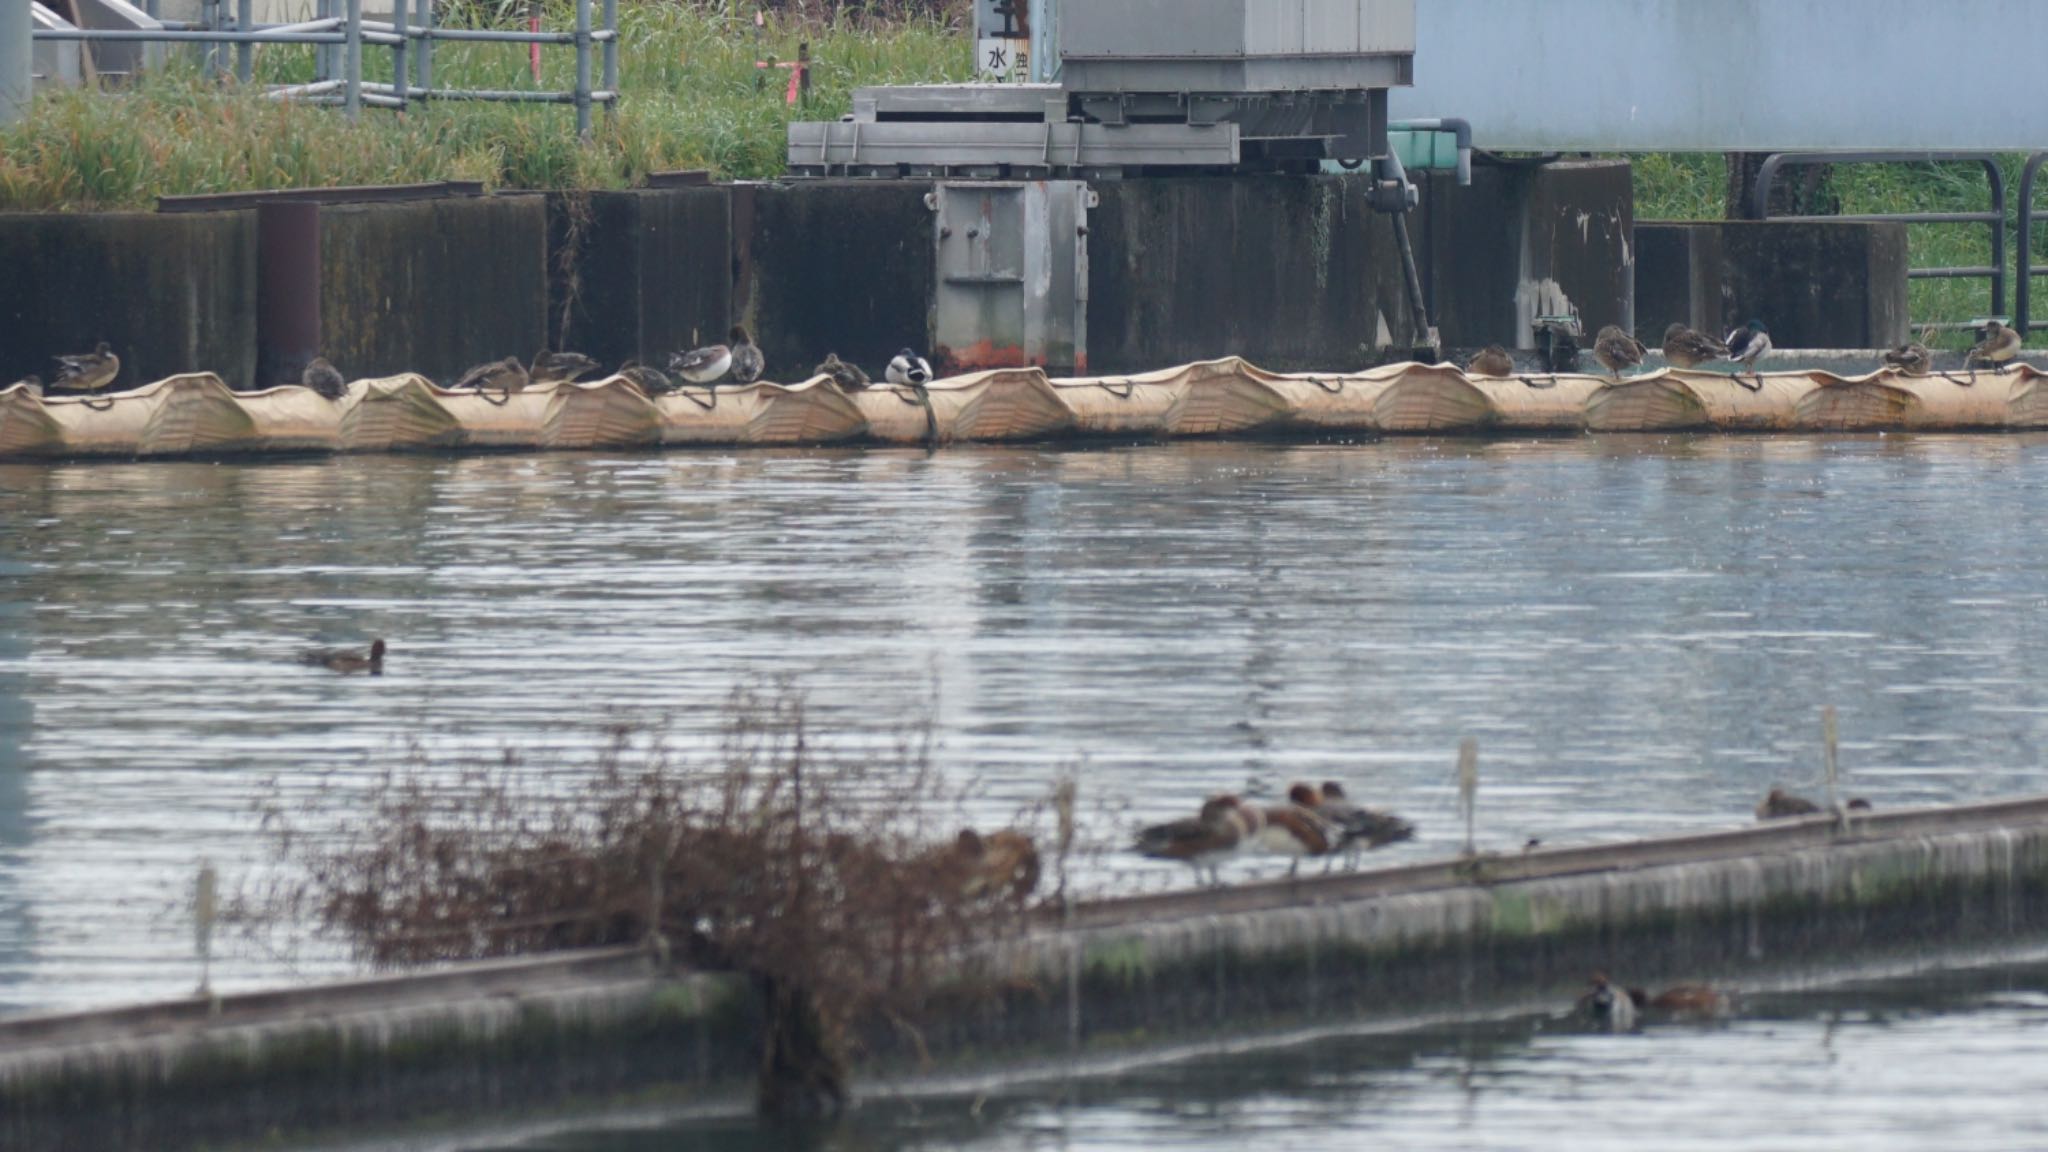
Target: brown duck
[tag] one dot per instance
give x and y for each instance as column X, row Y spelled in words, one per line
column 1780, row 805
column 507, row 375
column 1615, row 350
column 652, row 381
column 1492, row 360
column 849, row 377
column 1912, row 359
column 559, row 367
column 88, row 372
column 322, row 377
column 1685, row 348
column 2000, row 344
column 347, row 661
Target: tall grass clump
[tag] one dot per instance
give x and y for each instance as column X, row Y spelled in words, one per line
column 818, row 872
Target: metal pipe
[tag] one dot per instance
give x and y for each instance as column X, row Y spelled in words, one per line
column 324, row 63
column 398, row 50
column 501, row 36
column 114, row 35
column 2025, row 288
column 425, row 53
column 17, row 58
column 1458, row 126
column 352, row 60
column 209, row 16
column 316, row 88
column 583, row 68
column 245, row 52
column 499, row 95
column 611, row 50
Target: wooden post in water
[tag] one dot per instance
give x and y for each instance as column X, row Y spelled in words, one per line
column 1468, row 788
column 1829, row 760
column 205, row 910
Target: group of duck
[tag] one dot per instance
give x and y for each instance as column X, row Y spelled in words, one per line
column 1683, row 347
column 1314, row 822
column 740, row 361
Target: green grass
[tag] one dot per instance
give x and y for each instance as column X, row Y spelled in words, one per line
column 689, row 100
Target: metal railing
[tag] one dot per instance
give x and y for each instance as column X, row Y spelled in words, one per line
column 340, row 32
column 1767, row 175
column 2023, row 288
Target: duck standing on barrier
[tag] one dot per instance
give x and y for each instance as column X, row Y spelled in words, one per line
column 1492, row 360
column 1745, row 346
column 1781, row 805
column 1912, row 359
column 559, row 367
column 1998, row 347
column 507, row 375
column 747, row 361
column 347, row 661
column 1685, row 348
column 1296, row 830
column 706, row 365
column 848, row 377
column 1363, row 828
column 323, row 378
column 1205, row 841
column 649, row 380
column 908, row 368
column 87, row 372
column 1616, row 350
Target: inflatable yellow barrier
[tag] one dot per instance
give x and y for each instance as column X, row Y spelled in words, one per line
column 197, row 414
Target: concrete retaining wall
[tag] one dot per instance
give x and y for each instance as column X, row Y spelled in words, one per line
column 492, row 1041
column 1817, row 285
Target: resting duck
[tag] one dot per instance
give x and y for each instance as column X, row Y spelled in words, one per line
column 347, row 661
column 559, row 367
column 1492, row 360
column 1780, row 805
column 849, row 377
column 507, row 375
column 89, row 372
column 1615, row 350
column 1745, row 345
column 1912, row 359
column 1684, row 1002
column 909, row 368
column 1002, row 864
column 1205, row 841
column 649, row 380
column 1685, row 348
column 1296, row 830
column 1606, row 1007
column 2000, row 344
column 1363, row 828
column 702, row 365
column 747, row 361
column 321, row 377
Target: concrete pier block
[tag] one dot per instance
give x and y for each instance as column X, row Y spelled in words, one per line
column 1816, row 284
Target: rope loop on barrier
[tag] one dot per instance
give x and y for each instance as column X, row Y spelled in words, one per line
column 1333, row 390
column 710, row 391
column 1129, row 389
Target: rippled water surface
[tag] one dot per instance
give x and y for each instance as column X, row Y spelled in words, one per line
column 1639, row 632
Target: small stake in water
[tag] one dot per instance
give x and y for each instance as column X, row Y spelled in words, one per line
column 1468, row 787
column 1828, row 758
column 205, row 910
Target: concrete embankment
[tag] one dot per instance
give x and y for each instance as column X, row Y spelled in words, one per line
column 1460, row 936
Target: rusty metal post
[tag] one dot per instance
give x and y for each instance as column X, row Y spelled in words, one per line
column 287, row 291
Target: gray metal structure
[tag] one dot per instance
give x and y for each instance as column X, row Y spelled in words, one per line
column 17, row 58
column 1143, row 85
column 1012, row 263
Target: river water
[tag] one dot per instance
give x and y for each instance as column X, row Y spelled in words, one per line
column 1640, row 632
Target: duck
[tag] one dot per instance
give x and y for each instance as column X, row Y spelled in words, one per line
column 747, row 361
column 507, row 375
column 1363, row 828
column 347, row 661
column 1003, row 864
column 1999, row 345
column 909, row 368
column 1615, row 350
column 1296, row 830
column 1203, row 842
column 1606, row 1007
column 1685, row 348
column 849, row 377
column 321, row 377
column 32, row 383
column 1745, row 345
column 1780, row 805
column 1492, row 360
column 559, row 367
column 87, row 372
column 1913, row 359
column 1684, row 1002
column 649, row 380
column 706, row 365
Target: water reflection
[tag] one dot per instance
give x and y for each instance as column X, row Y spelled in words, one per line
column 1640, row 631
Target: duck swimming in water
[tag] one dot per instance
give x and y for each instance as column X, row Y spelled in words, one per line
column 87, row 372
column 1616, row 350
column 2000, row 345
column 1492, row 360
column 321, row 377
column 909, row 368
column 559, row 367
column 1205, row 841
column 1745, row 345
column 507, row 375
column 1685, row 348
column 702, row 365
column 347, row 661
column 849, row 377
column 747, row 361
column 1912, row 359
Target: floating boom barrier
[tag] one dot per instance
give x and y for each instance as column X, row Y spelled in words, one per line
column 198, row 414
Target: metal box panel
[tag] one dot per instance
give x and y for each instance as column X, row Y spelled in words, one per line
column 1012, row 274
column 1165, row 29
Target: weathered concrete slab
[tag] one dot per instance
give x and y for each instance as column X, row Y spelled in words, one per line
column 171, row 294
column 642, row 273
column 1815, row 284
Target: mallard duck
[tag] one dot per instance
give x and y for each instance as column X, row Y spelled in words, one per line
column 559, row 367
column 909, row 368
column 747, row 361
column 89, row 372
column 1745, row 345
column 1780, row 805
column 1615, row 350
column 1492, row 360
column 1002, row 864
column 32, row 382
column 347, row 661
column 1999, row 345
column 1363, row 828
column 1685, row 348
column 1685, row 1002
column 648, row 380
column 1912, row 359
column 1606, row 1007
column 1296, row 830
column 849, row 377
column 507, row 375
column 322, row 377
column 702, row 365
column 1205, row 841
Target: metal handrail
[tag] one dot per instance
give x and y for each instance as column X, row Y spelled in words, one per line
column 1767, row 175
column 2023, row 291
